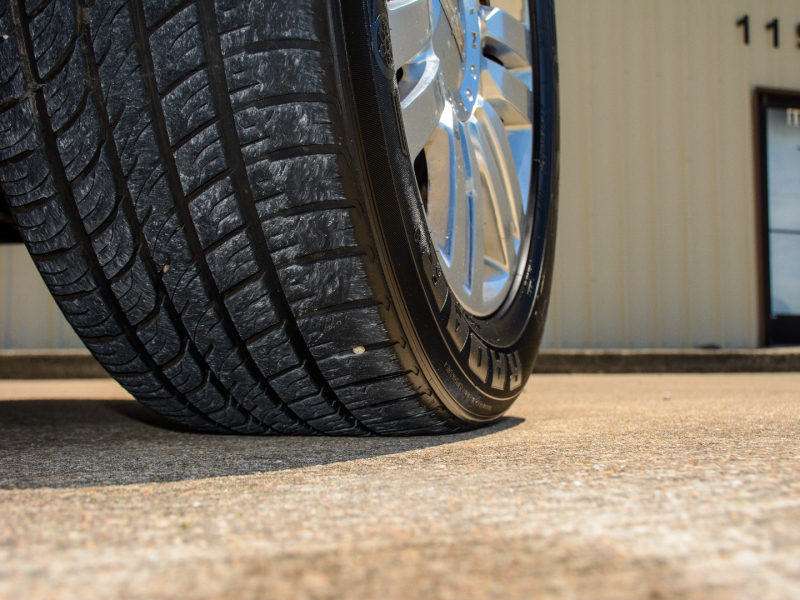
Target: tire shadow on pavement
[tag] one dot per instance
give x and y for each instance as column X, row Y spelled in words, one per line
column 77, row 443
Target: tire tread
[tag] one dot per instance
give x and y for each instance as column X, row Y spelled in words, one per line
column 180, row 172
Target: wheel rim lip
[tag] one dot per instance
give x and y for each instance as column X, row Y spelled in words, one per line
column 493, row 291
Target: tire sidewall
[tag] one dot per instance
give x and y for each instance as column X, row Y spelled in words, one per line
column 476, row 366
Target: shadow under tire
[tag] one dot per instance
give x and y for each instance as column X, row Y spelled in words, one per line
column 215, row 194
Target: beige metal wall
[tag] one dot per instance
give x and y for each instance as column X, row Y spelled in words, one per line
column 29, row 318
column 657, row 236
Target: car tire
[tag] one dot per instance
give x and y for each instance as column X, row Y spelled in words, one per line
column 219, row 196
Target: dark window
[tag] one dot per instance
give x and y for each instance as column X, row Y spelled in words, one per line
column 779, row 124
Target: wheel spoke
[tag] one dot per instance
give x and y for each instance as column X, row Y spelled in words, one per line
column 505, row 38
column 498, row 192
column 507, row 94
column 464, row 246
column 456, row 245
column 438, row 156
column 423, row 107
column 411, row 26
column 497, row 145
column 475, row 207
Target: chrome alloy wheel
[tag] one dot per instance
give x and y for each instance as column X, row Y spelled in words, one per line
column 465, row 83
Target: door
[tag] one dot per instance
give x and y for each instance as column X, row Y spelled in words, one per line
column 780, row 160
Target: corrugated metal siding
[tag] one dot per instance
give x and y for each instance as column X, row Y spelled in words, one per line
column 657, row 234
column 29, row 317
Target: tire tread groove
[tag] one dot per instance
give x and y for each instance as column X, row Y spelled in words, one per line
column 168, row 160
column 57, row 170
column 244, row 196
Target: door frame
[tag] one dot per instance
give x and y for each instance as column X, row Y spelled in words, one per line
column 781, row 330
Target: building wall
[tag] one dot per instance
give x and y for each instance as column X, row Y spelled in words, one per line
column 657, row 228
column 29, row 317
column 657, row 233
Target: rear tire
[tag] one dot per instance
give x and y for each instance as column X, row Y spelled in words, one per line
column 198, row 184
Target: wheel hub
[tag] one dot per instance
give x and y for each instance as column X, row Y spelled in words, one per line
column 465, row 85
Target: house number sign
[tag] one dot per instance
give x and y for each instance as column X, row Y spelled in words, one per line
column 772, row 26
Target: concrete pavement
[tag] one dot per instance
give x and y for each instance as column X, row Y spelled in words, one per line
column 594, row 486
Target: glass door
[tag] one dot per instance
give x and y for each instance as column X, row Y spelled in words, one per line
column 780, row 147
